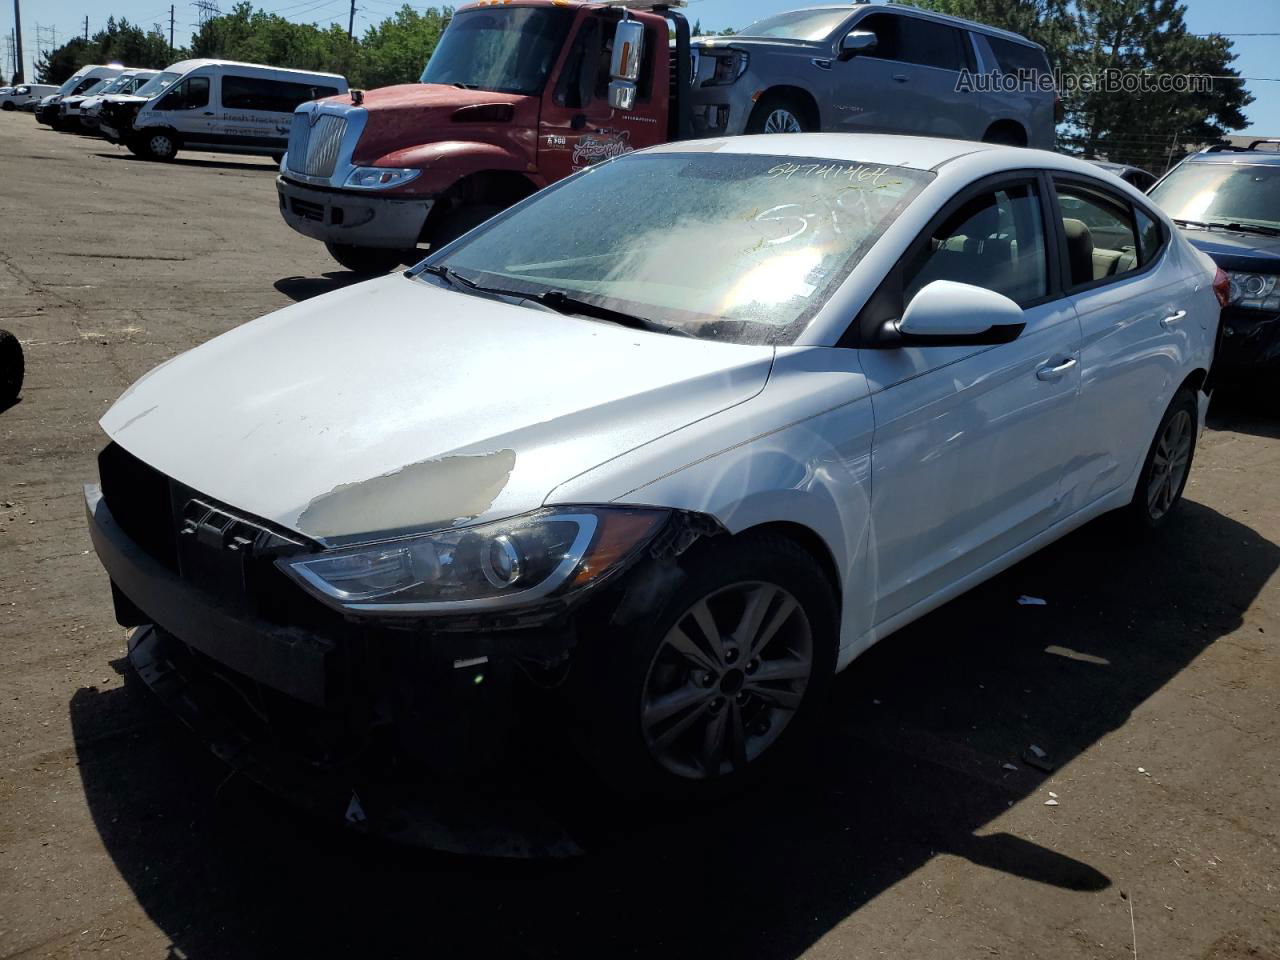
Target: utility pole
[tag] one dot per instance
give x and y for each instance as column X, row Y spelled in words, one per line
column 86, row 28
column 17, row 43
column 351, row 23
column 171, row 29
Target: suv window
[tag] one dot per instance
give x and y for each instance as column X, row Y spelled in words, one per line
column 916, row 40
column 1102, row 238
column 995, row 240
column 1012, row 57
column 191, row 93
column 277, row 96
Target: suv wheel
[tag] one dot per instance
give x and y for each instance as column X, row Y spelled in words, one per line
column 703, row 695
column 12, row 368
column 778, row 113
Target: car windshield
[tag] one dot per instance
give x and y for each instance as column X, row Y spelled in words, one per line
column 97, row 88
column 157, row 83
column 507, row 50
column 798, row 25
column 736, row 247
column 114, row 86
column 69, row 85
column 1222, row 193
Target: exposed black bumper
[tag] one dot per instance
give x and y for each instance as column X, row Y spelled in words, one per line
column 1250, row 341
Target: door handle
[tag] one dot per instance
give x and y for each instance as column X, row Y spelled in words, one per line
column 1055, row 373
column 208, row 113
column 901, row 77
column 1173, row 319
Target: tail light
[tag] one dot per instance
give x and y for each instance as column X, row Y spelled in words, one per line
column 1222, row 287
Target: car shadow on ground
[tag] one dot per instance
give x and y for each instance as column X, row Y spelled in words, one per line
column 264, row 164
column 298, row 289
column 911, row 766
column 1252, row 408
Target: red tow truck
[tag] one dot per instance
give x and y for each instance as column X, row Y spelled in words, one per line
column 516, row 96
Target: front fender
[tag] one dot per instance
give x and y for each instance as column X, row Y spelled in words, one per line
column 445, row 162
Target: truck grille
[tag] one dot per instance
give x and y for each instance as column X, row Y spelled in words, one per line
column 313, row 150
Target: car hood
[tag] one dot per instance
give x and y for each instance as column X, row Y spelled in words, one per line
column 1237, row 251
column 396, row 404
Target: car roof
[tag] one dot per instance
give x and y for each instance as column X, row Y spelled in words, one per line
column 1226, row 153
column 918, row 12
column 895, row 150
column 185, row 66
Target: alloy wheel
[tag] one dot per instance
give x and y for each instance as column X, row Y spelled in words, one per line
column 1169, row 464
column 726, row 680
column 782, row 121
column 161, row 146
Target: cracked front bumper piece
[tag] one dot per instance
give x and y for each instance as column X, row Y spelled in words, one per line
column 360, row 219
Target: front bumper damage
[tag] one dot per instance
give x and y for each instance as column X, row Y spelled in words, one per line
column 360, row 219
column 385, row 731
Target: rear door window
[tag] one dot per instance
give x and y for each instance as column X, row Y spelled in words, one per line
column 1014, row 57
column 1101, row 233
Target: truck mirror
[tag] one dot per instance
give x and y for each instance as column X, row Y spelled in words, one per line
column 856, row 42
column 622, row 95
column 628, row 49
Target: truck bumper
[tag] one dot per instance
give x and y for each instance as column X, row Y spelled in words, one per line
column 348, row 217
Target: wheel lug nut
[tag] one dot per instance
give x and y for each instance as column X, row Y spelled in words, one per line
column 707, row 680
column 717, row 703
column 730, row 655
column 753, row 666
column 742, row 696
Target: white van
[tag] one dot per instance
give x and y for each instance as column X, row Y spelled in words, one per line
column 222, row 106
column 77, row 83
column 17, row 97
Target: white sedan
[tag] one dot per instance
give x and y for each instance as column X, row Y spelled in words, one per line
column 675, row 440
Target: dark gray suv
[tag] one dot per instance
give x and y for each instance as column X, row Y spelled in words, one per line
column 875, row 67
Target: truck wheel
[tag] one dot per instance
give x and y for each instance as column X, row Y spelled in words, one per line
column 159, row 145
column 12, row 368
column 7, row 105
column 463, row 220
column 371, row 260
column 779, row 113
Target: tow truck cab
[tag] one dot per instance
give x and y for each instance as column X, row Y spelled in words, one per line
column 516, row 96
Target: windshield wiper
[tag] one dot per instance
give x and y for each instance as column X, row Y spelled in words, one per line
column 562, row 302
column 1247, row 228
column 1191, row 223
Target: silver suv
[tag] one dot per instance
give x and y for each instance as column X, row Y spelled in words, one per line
column 875, row 67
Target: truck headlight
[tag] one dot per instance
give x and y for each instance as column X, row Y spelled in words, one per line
column 726, row 66
column 380, row 178
column 493, row 566
column 1253, row 291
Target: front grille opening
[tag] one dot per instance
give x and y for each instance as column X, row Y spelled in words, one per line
column 307, row 209
column 138, row 497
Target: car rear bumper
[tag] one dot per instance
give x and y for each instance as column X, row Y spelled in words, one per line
column 348, row 217
column 1250, row 341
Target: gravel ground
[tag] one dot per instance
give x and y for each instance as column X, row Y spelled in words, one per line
column 1150, row 679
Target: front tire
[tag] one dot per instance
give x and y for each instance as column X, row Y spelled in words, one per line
column 706, row 694
column 1168, row 464
column 159, row 145
column 778, row 113
column 370, row 260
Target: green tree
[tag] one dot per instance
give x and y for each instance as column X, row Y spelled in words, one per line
column 396, row 50
column 56, row 66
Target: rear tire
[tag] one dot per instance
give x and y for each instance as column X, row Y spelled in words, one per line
column 1168, row 464
column 12, row 368
column 6, row 105
column 779, row 113
column 745, row 707
column 370, row 260
column 1006, row 134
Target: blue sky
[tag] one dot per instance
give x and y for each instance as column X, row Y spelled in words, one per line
column 1259, row 56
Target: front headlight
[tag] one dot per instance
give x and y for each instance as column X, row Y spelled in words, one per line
column 380, row 178
column 492, row 566
column 1253, row 291
column 726, row 66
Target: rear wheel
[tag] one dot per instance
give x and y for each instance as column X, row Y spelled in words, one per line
column 1168, row 464
column 7, row 105
column 778, row 113
column 1005, row 133
column 159, row 145
column 12, row 368
column 370, row 260
column 733, row 666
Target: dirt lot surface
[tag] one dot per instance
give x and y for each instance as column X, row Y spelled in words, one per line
column 1150, row 679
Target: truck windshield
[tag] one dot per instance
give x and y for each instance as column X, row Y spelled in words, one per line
column 736, row 247
column 1222, row 194
column 504, row 50
column 808, row 25
column 157, row 83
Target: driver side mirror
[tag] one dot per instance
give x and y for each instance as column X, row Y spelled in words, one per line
column 856, row 42
column 946, row 313
column 628, row 51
